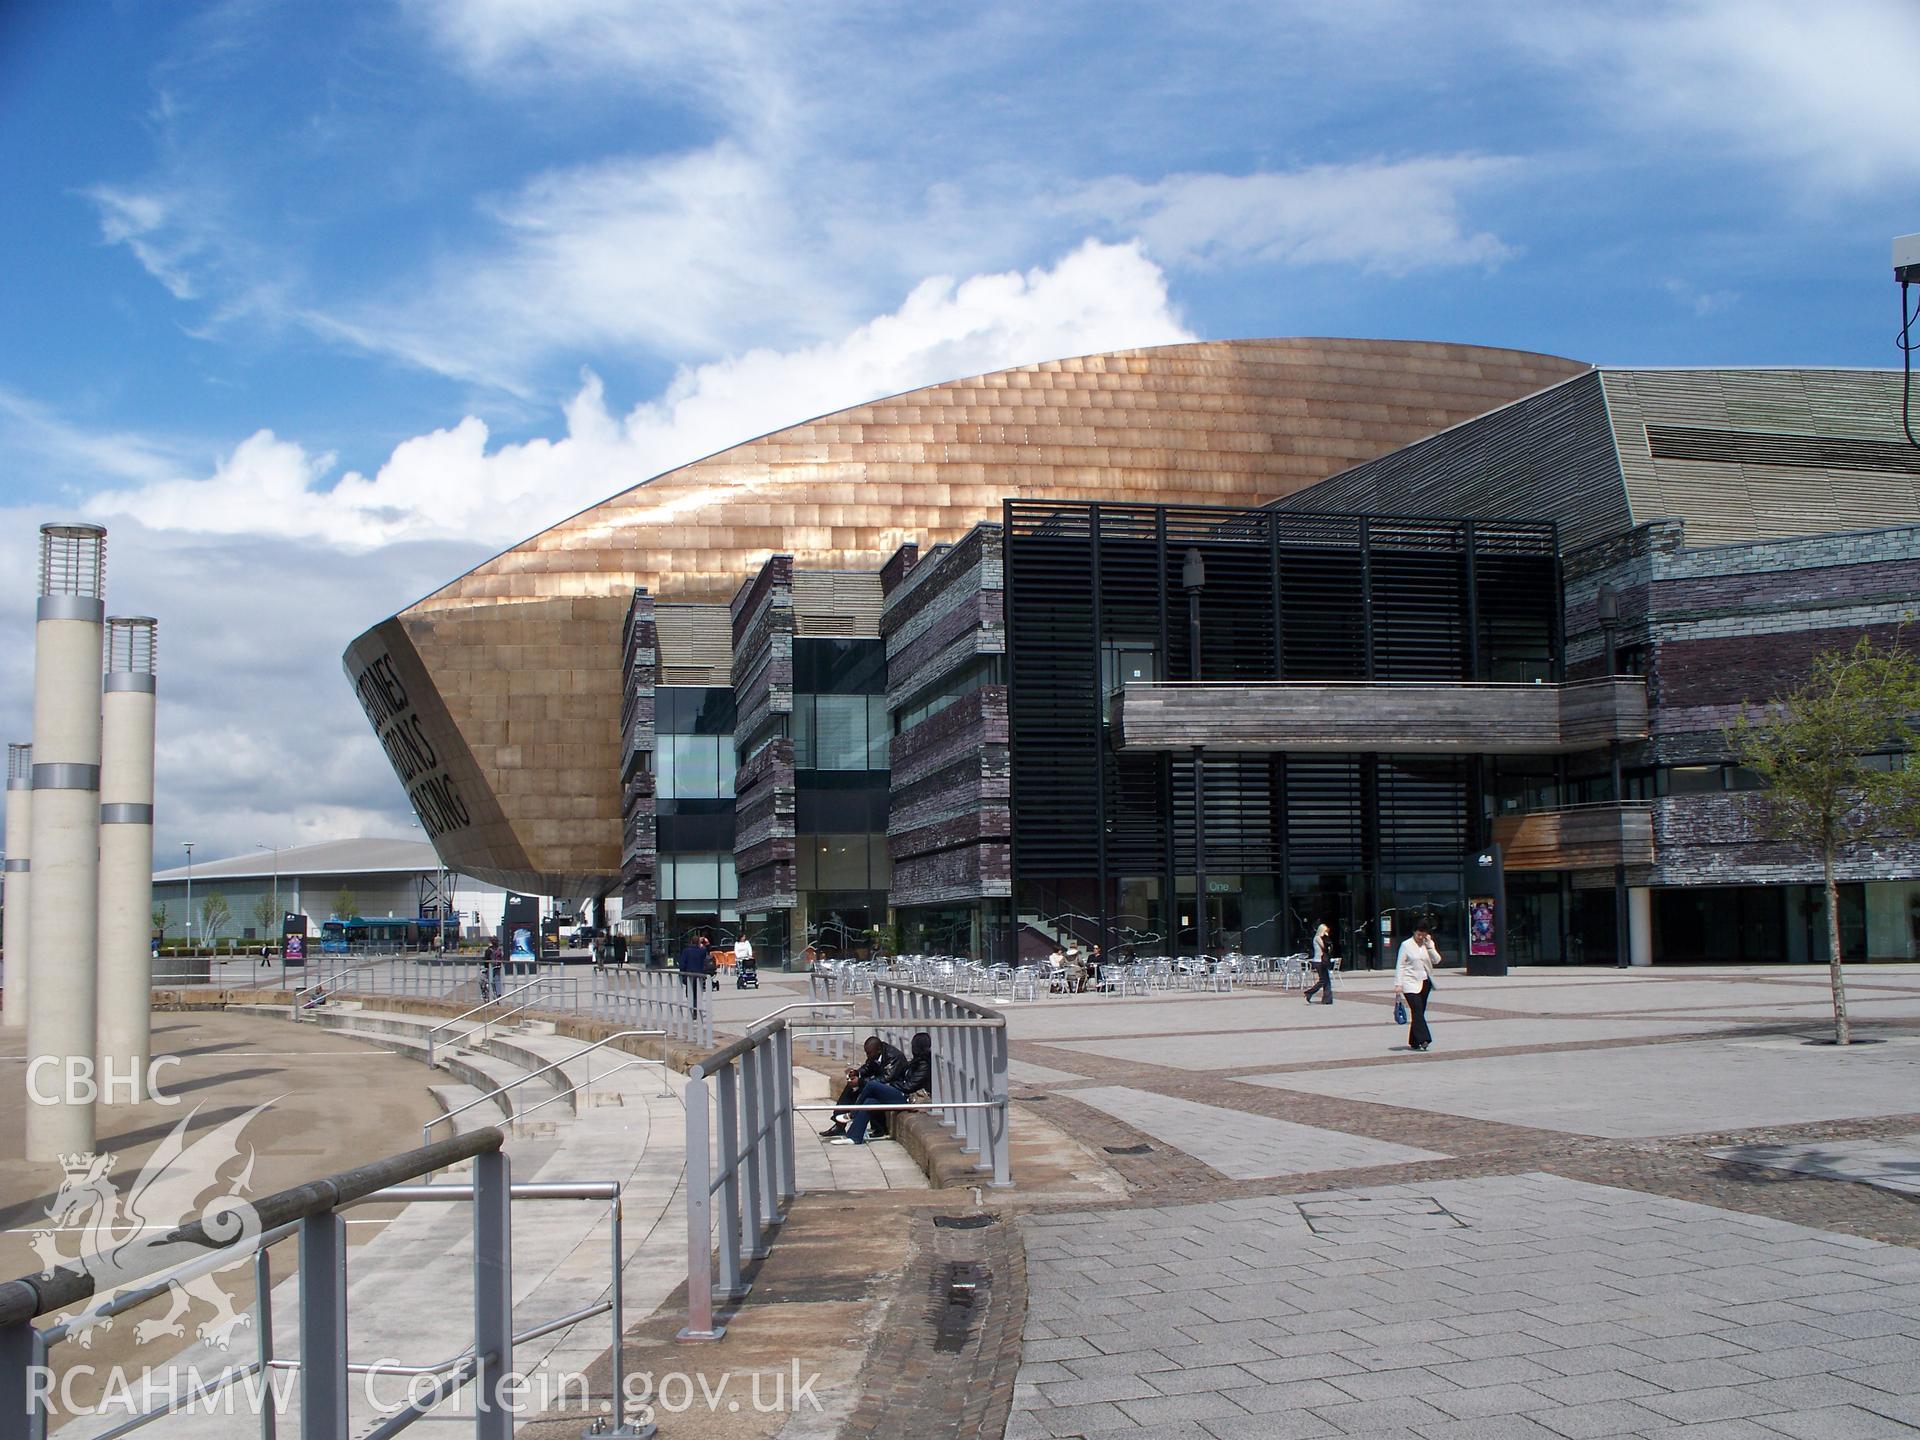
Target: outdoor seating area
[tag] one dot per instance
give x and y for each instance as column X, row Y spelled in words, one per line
column 1004, row 983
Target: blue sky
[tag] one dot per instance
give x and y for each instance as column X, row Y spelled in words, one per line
column 315, row 305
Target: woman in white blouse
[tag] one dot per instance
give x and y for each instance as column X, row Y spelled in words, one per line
column 1413, row 978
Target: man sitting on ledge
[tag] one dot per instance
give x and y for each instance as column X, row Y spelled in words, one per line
column 882, row 1061
column 913, row 1077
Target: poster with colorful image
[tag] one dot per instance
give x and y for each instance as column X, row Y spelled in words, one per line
column 1480, row 939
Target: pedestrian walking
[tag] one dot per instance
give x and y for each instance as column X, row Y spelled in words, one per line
column 1322, row 964
column 619, row 950
column 1413, row 978
column 695, row 961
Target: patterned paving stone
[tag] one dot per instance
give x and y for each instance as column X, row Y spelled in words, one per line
column 1244, row 1146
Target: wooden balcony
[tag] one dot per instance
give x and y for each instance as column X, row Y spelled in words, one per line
column 1393, row 717
column 1577, row 837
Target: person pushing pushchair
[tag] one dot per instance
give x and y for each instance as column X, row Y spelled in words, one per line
column 746, row 974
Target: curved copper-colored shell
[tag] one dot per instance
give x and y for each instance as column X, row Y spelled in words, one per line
column 515, row 665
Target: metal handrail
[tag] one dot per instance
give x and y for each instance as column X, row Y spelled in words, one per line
column 484, row 1004
column 500, row 1090
column 665, row 1087
column 32, row 1296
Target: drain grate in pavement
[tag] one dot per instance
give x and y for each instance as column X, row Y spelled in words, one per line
column 960, row 1292
column 1128, row 1149
column 964, row 1222
column 1370, row 1215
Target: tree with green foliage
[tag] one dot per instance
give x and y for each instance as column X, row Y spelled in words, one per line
column 159, row 918
column 344, row 905
column 214, row 915
column 266, row 915
column 1811, row 750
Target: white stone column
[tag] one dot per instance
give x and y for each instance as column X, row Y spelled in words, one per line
column 62, row 924
column 126, row 860
column 1640, row 925
column 19, row 879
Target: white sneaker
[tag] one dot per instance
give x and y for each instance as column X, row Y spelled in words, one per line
column 841, row 1140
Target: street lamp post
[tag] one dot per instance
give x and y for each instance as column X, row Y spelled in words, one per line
column 1193, row 579
column 188, row 845
column 276, row 886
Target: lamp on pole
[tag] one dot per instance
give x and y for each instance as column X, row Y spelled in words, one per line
column 1607, row 608
column 188, row 846
column 1193, row 579
column 276, row 881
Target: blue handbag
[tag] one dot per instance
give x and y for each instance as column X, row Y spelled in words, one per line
column 1399, row 1011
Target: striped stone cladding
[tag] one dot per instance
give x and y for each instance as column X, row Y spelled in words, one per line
column 763, row 787
column 949, row 821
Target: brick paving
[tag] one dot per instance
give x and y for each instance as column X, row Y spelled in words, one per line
column 1703, row 1257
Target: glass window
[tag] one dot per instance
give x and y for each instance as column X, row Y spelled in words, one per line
column 843, row 862
column 696, row 877
column 1694, row 779
column 840, row 723
column 729, row 879
column 663, row 878
column 803, row 746
column 663, row 780
column 879, row 732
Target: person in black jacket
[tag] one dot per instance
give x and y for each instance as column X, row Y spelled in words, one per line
column 695, row 960
column 910, row 1078
column 882, row 1061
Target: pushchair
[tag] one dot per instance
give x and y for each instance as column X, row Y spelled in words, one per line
column 746, row 974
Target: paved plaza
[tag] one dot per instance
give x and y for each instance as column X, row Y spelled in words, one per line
column 1605, row 1204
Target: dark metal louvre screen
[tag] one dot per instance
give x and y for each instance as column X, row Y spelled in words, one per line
column 1419, row 600
column 1054, row 689
column 1760, row 447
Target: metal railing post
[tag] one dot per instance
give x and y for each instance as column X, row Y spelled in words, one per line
column 323, row 1327
column 999, row 1119
column 789, row 1179
column 753, row 1220
column 18, row 1362
column 767, row 1142
column 729, row 1287
column 492, row 1297
column 263, row 1337
column 699, row 1324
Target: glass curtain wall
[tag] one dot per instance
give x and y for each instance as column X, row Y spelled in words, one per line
column 693, row 786
column 841, row 736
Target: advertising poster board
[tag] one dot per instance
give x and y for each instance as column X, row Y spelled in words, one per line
column 519, row 933
column 293, row 939
column 1486, row 912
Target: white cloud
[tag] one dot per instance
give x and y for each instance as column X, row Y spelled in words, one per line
column 1823, row 95
column 1387, row 216
column 683, row 255
column 449, row 484
column 259, row 737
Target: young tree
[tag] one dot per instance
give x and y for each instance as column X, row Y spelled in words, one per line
column 1810, row 750
column 214, row 915
column 266, row 915
column 344, row 905
column 159, row 918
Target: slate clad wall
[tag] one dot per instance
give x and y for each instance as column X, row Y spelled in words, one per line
column 639, row 853
column 1719, row 630
column 763, row 787
column 948, row 818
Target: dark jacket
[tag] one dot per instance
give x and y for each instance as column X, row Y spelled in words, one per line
column 694, row 959
column 916, row 1072
column 883, row 1065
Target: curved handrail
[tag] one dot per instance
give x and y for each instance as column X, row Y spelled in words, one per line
column 498, row 1091
column 32, row 1296
column 484, row 1005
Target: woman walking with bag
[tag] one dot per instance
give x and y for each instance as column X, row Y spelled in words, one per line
column 1322, row 964
column 1413, row 979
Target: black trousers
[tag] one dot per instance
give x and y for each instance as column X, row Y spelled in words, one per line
column 692, row 983
column 1417, row 1032
column 1324, row 969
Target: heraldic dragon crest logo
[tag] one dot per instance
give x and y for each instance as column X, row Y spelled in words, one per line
column 121, row 1235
